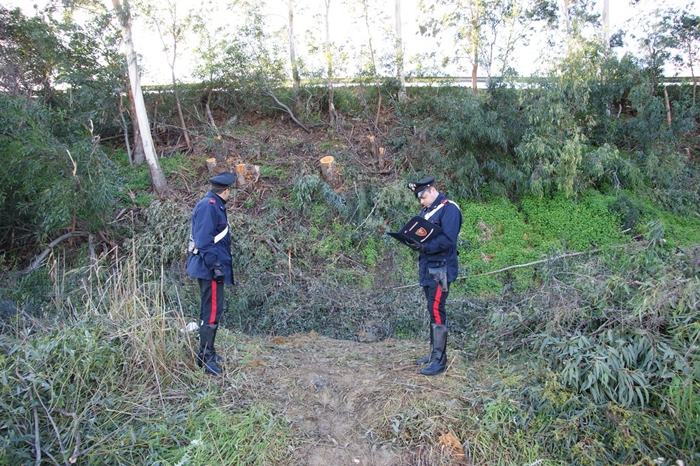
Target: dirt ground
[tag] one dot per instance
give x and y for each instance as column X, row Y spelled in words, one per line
column 349, row 402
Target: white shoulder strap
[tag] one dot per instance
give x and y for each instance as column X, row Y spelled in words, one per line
column 442, row 204
column 221, row 235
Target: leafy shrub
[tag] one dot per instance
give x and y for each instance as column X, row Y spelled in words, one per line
column 629, row 211
column 163, row 241
column 309, row 190
column 48, row 183
column 614, row 366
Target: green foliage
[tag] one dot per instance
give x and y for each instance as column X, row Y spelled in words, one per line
column 53, row 177
column 310, row 190
column 579, row 225
column 164, row 239
column 253, row 437
column 618, row 367
column 30, row 52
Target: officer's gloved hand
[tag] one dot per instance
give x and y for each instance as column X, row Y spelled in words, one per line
column 218, row 273
column 439, row 274
column 415, row 245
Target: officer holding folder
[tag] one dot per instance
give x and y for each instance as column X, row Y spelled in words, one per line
column 433, row 233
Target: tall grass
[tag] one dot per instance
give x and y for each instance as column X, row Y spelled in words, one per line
column 114, row 380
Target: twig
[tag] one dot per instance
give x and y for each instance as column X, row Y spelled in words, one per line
column 55, row 428
column 75, row 456
column 37, row 261
column 37, row 438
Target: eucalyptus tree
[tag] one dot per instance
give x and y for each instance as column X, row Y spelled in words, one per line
column 375, row 23
column 123, row 13
column 485, row 31
column 509, row 24
column 240, row 59
column 684, row 29
column 172, row 30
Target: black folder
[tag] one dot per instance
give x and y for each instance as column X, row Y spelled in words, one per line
column 418, row 229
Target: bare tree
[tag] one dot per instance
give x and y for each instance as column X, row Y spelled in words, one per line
column 292, row 48
column 173, row 29
column 157, row 178
column 332, row 114
column 399, row 54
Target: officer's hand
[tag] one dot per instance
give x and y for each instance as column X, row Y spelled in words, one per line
column 218, row 273
column 415, row 245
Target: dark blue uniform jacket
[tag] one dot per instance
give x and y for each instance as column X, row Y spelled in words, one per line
column 208, row 220
column 441, row 250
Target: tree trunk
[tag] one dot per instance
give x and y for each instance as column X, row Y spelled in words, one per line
column 185, row 132
column 329, row 171
column 475, row 33
column 157, row 178
column 292, row 51
column 176, row 93
column 606, row 22
column 329, row 61
column 399, row 55
column 139, row 153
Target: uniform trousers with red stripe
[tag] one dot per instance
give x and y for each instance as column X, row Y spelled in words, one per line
column 436, row 298
column 212, row 294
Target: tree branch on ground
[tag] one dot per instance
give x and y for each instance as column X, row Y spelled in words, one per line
column 36, row 263
column 269, row 92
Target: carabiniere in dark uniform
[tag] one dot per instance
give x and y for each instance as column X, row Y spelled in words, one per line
column 210, row 262
column 437, row 266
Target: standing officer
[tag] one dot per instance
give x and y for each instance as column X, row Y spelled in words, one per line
column 437, row 266
column 209, row 261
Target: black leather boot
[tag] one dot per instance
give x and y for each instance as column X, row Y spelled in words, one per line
column 438, row 359
column 200, row 356
column 207, row 333
column 426, row 360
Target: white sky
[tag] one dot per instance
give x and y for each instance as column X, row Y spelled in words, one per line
column 149, row 45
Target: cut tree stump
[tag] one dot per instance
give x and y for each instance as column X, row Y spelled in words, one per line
column 329, row 171
column 211, row 164
column 246, row 174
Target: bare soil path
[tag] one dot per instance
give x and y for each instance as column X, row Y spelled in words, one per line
column 347, row 402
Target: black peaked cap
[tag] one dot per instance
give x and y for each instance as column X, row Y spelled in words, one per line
column 223, row 179
column 419, row 186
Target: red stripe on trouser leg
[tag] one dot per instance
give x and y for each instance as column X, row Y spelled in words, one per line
column 436, row 306
column 214, row 299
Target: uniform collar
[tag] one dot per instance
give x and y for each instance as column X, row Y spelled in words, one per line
column 217, row 197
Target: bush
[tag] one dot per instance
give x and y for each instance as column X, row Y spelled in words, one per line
column 49, row 184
